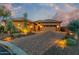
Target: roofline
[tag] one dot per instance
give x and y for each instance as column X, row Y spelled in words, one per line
column 18, row 20
column 49, row 21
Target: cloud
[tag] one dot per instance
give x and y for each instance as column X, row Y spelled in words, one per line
column 65, row 6
column 16, row 10
column 47, row 4
column 8, row 6
column 63, row 12
column 42, row 14
column 69, row 7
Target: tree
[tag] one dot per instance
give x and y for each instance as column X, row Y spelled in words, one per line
column 1, row 28
column 4, row 13
column 6, row 16
column 73, row 26
column 1, row 10
column 25, row 19
column 11, row 27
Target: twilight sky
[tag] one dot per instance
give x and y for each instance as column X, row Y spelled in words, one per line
column 37, row 11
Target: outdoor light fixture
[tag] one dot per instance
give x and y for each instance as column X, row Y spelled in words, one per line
column 31, row 26
column 71, row 33
column 57, row 26
column 41, row 26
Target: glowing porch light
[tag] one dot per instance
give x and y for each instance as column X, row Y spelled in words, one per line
column 40, row 25
column 58, row 26
column 71, row 33
column 31, row 26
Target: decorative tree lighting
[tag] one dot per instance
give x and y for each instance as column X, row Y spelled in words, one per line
column 24, row 30
column 8, row 39
column 61, row 43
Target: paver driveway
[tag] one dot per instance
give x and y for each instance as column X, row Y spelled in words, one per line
column 39, row 43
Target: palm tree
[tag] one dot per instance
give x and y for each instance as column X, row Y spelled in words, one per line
column 25, row 19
